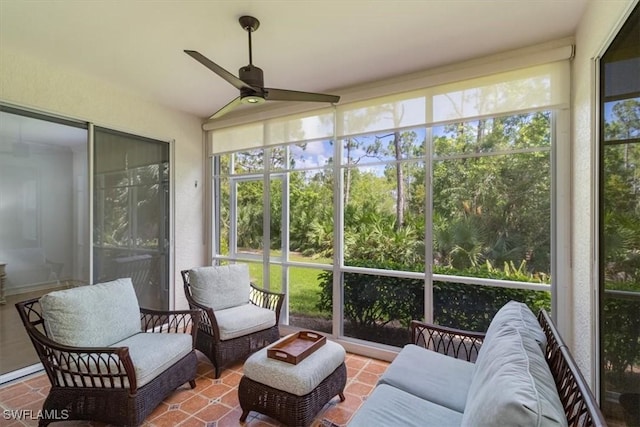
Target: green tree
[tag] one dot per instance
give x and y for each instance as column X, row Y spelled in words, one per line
column 492, row 190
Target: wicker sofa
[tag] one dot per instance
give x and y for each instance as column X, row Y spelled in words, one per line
column 517, row 373
column 107, row 359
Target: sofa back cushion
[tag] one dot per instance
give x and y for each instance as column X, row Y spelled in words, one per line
column 518, row 315
column 512, row 384
column 92, row 316
column 220, row 287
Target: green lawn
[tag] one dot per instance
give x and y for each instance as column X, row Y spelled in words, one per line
column 304, row 288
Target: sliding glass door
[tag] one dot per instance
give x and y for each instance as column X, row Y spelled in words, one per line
column 620, row 226
column 47, row 239
column 131, row 214
column 44, row 220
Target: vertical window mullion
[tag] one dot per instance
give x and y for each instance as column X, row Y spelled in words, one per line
column 428, row 285
column 338, row 230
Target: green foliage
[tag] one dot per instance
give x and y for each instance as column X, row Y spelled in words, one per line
column 311, row 219
column 374, row 237
column 620, row 230
column 621, row 211
column 141, row 186
column 621, row 245
column 472, row 307
column 492, row 206
column 250, row 214
column 373, row 302
column 489, row 202
column 621, row 336
column 627, row 120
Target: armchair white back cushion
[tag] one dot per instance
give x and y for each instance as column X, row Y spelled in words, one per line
column 92, row 316
column 220, row 287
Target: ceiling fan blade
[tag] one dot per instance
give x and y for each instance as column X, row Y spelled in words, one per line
column 224, row 110
column 239, row 84
column 293, row 95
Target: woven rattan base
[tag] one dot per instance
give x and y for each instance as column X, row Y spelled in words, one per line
column 116, row 405
column 288, row 408
column 224, row 353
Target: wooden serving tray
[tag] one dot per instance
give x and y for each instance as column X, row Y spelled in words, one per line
column 297, row 347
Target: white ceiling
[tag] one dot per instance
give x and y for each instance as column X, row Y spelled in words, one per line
column 315, row 46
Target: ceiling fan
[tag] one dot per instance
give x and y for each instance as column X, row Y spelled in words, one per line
column 251, row 80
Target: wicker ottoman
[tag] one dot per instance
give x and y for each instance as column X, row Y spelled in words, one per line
column 292, row 394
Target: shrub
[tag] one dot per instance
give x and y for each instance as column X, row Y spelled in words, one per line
column 374, row 302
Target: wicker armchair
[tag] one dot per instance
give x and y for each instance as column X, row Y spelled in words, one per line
column 238, row 318
column 119, row 383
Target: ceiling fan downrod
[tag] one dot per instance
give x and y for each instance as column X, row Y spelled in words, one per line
column 249, row 24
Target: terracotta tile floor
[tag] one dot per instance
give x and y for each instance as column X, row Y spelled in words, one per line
column 213, row 403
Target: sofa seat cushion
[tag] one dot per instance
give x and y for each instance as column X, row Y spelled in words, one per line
column 92, row 316
column 220, row 287
column 389, row 406
column 153, row 353
column 432, row 376
column 242, row 320
column 300, row 379
column 512, row 384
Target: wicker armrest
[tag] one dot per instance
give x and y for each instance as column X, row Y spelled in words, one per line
column 267, row 299
column 207, row 321
column 580, row 406
column 69, row 366
column 170, row 321
column 452, row 342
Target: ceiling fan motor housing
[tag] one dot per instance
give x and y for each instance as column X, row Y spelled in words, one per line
column 252, row 75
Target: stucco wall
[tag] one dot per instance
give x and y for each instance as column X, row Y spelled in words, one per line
column 600, row 21
column 31, row 83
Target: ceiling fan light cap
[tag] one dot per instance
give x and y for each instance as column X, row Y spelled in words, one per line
column 252, row 99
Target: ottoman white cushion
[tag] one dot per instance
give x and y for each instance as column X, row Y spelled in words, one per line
column 298, row 379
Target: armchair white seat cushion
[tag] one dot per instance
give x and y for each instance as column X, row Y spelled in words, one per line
column 243, row 320
column 92, row 316
column 220, row 287
column 153, row 353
